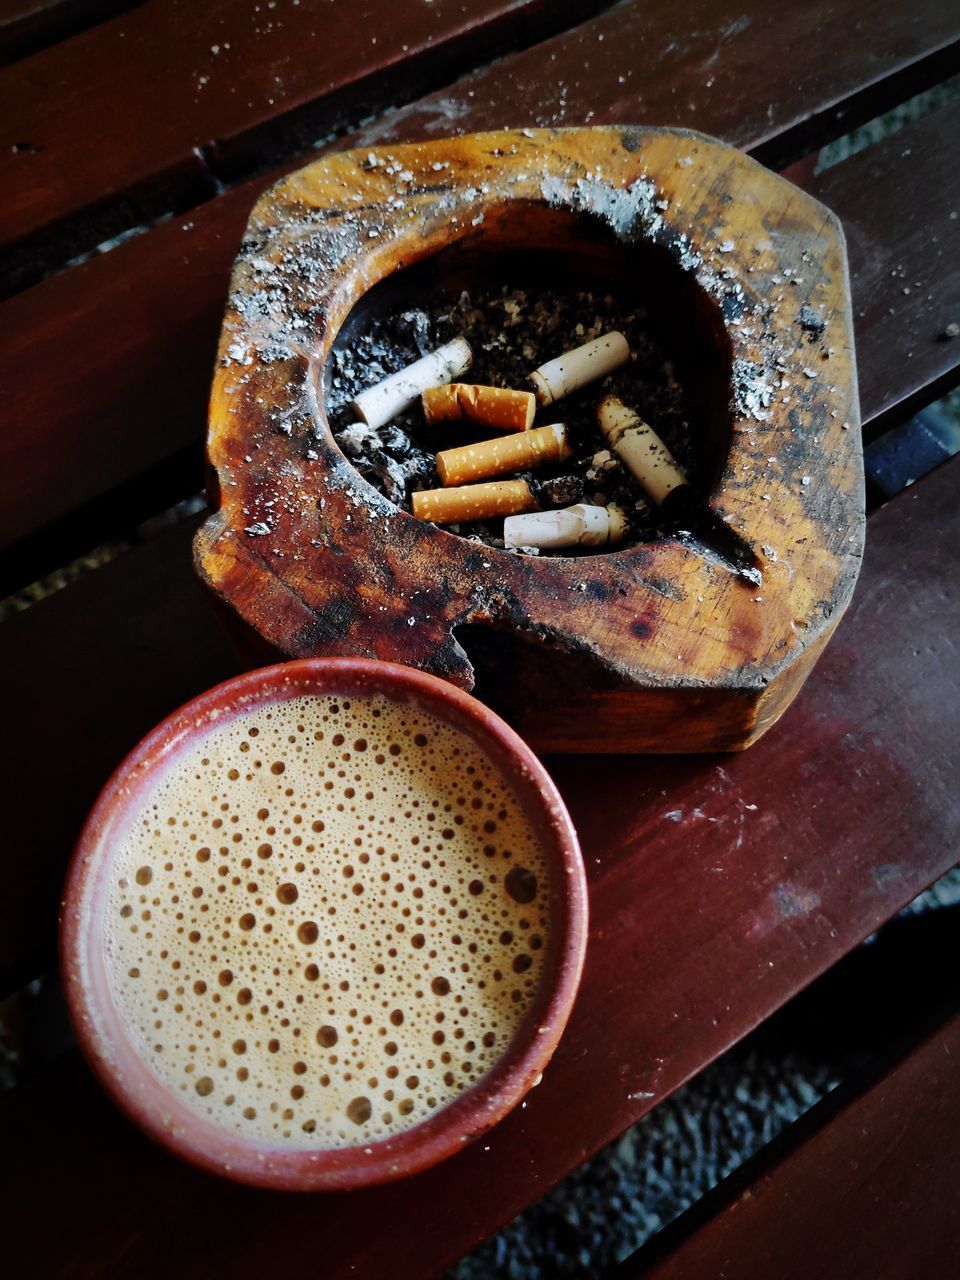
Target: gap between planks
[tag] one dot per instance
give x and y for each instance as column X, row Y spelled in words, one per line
column 913, row 52
column 268, row 81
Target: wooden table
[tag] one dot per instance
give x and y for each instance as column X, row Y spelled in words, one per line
column 723, row 885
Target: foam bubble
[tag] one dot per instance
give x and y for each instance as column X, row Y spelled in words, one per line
column 326, row 921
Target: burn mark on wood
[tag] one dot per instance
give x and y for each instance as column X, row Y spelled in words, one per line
column 812, row 322
column 631, row 138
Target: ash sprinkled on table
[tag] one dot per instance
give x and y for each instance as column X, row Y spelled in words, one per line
column 511, row 331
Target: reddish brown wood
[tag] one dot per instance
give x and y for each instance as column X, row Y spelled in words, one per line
column 160, row 296
column 877, row 731
column 143, row 108
column 162, row 92
column 108, row 414
column 906, row 297
column 717, row 892
column 29, row 25
column 145, row 671
column 871, row 1192
column 753, row 74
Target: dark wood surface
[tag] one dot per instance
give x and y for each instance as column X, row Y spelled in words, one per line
column 29, row 25
column 905, row 264
column 750, row 75
column 153, row 75
column 129, row 643
column 871, row 1190
column 721, row 889
column 190, row 93
column 160, row 297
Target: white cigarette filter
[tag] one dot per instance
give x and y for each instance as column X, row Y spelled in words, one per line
column 568, row 373
column 640, row 449
column 380, row 404
column 582, row 525
column 503, row 454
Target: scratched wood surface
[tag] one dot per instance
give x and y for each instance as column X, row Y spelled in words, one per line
column 172, row 77
column 869, row 1189
column 160, row 296
column 191, row 94
column 908, row 296
column 718, row 891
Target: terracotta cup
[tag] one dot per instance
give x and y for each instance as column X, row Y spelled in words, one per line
column 107, row 1043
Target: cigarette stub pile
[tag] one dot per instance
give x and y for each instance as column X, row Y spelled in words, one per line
column 473, row 476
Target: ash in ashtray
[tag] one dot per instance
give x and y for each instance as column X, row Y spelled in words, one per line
column 511, row 332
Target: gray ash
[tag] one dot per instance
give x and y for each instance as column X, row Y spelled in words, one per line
column 511, row 331
column 812, row 322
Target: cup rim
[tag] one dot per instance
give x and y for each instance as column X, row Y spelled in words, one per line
column 155, row 1109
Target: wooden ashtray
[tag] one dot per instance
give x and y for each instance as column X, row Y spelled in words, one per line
column 693, row 642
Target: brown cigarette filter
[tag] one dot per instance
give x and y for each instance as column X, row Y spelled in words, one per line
column 493, row 406
column 505, row 454
column 474, row 502
column 640, row 449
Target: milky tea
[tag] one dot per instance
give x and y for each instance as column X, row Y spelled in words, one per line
column 326, row 920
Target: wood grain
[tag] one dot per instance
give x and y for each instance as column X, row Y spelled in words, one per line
column 160, row 296
column 867, row 1189
column 135, row 117
column 907, row 295
column 727, row 74
column 315, row 562
column 717, row 892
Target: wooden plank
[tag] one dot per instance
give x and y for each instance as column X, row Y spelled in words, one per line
column 758, row 80
column 719, row 890
column 178, row 90
column 29, row 25
column 871, row 1191
column 905, row 264
column 115, row 635
column 122, row 322
column 106, row 411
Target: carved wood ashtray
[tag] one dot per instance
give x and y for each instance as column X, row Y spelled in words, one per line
column 695, row 639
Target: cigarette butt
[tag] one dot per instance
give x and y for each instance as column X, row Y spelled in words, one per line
column 568, row 373
column 640, row 449
column 503, row 455
column 378, row 405
column 581, row 525
column 493, row 406
column 474, row 501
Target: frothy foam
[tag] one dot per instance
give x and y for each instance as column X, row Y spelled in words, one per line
column 326, row 921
